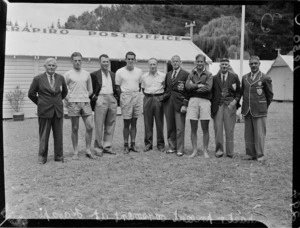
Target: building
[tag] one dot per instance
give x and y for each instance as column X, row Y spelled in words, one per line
column 27, row 49
column 281, row 73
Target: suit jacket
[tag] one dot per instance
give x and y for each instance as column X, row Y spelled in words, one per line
column 233, row 92
column 257, row 94
column 48, row 100
column 97, row 85
column 178, row 98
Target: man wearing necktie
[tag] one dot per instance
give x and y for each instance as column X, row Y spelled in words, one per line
column 199, row 84
column 225, row 101
column 47, row 91
column 257, row 95
column 175, row 100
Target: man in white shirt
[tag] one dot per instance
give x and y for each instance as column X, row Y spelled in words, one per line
column 128, row 80
column 105, row 107
column 153, row 89
column 79, row 85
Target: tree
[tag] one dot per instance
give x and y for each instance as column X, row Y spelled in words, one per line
column 132, row 27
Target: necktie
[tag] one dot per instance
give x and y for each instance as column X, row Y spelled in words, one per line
column 174, row 75
column 223, row 78
column 51, row 81
column 252, row 77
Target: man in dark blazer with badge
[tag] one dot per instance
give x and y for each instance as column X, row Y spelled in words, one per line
column 104, row 102
column 175, row 100
column 47, row 91
column 225, row 101
column 257, row 95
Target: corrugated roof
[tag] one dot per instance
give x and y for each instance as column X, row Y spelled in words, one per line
column 265, row 65
column 40, row 44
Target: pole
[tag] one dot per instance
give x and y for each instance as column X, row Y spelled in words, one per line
column 191, row 25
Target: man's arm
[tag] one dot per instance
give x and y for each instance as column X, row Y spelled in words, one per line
column 33, row 90
column 64, row 91
column 268, row 89
column 189, row 85
column 207, row 86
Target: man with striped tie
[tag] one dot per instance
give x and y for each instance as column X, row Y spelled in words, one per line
column 175, row 104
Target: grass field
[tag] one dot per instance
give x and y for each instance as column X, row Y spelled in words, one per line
column 154, row 184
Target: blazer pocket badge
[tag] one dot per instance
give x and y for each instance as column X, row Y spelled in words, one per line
column 234, row 86
column 259, row 91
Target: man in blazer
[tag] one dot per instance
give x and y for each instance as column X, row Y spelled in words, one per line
column 199, row 84
column 104, row 102
column 257, row 95
column 175, row 104
column 225, row 102
column 47, row 91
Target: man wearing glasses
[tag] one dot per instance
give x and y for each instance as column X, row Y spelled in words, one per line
column 128, row 82
column 257, row 95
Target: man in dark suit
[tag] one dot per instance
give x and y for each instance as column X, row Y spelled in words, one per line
column 225, row 102
column 199, row 84
column 104, row 103
column 175, row 104
column 257, row 95
column 47, row 91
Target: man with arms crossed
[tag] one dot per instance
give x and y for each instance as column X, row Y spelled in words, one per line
column 78, row 103
column 153, row 88
column 257, row 95
column 128, row 80
column 47, row 91
column 225, row 102
column 199, row 84
column 105, row 106
column 175, row 103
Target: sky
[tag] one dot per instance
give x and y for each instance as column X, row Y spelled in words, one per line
column 42, row 15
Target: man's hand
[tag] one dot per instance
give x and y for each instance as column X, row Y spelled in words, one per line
column 232, row 104
column 183, row 109
column 200, row 85
column 94, row 97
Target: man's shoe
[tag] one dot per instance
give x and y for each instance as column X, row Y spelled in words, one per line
column 179, row 153
column 219, row 153
column 205, row 154
column 59, row 160
column 147, row 148
column 109, row 152
column 126, row 150
column 193, row 155
column 41, row 160
column 133, row 149
column 229, row 155
column 170, row 151
column 161, row 150
column 261, row 160
column 90, row 156
column 248, row 157
column 75, row 157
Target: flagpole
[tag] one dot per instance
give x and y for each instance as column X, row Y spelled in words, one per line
column 239, row 115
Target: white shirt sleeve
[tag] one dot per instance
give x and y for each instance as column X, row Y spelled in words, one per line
column 118, row 78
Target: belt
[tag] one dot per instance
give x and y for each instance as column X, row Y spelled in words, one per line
column 109, row 94
column 153, row 94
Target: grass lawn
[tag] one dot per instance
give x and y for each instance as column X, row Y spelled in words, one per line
column 157, row 184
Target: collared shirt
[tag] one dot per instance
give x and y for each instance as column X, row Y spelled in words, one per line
column 153, row 84
column 253, row 76
column 106, row 84
column 49, row 78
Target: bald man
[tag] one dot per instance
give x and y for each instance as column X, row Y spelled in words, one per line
column 47, row 91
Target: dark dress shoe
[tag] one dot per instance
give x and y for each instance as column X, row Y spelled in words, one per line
column 126, row 150
column 42, row 160
column 59, row 160
column 161, row 150
column 109, row 152
column 133, row 149
column 248, row 157
column 90, row 156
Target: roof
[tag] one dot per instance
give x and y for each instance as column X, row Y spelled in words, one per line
column 26, row 42
column 265, row 65
column 284, row 60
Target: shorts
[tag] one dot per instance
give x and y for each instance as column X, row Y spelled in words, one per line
column 79, row 109
column 131, row 105
column 198, row 108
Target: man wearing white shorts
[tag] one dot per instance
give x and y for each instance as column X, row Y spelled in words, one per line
column 128, row 82
column 199, row 84
column 79, row 85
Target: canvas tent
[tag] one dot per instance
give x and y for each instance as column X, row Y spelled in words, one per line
column 281, row 73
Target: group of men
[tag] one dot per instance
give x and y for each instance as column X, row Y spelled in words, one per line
column 177, row 95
